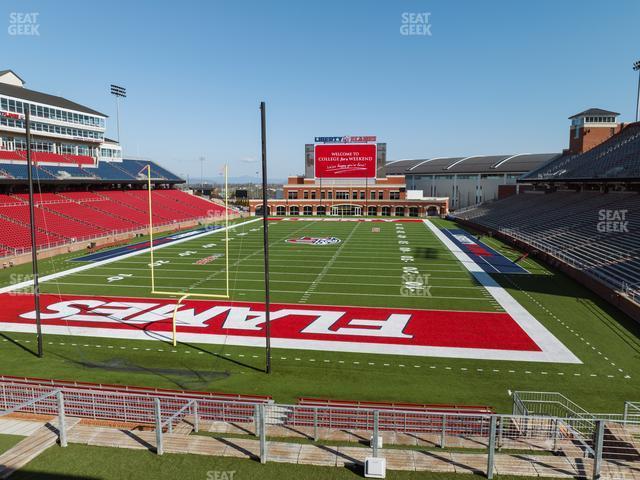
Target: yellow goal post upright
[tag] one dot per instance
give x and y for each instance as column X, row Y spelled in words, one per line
column 182, row 294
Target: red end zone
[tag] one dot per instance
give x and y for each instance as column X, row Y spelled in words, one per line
column 355, row 329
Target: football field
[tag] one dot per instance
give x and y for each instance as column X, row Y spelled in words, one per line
column 364, row 268
column 353, row 303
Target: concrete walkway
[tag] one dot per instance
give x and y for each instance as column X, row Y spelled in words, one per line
column 397, row 459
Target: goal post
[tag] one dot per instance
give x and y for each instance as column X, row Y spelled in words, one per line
column 183, row 294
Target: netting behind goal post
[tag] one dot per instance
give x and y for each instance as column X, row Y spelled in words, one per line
column 182, row 294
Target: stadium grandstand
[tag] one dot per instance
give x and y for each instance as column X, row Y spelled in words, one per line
column 582, row 212
column 86, row 191
column 468, row 180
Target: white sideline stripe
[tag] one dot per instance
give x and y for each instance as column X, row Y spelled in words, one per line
column 89, row 266
column 552, row 348
column 297, row 344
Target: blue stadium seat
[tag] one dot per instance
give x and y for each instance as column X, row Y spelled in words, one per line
column 21, row 172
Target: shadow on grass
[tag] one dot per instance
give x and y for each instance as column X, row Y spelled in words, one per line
column 35, row 475
column 18, row 344
column 185, row 379
column 427, row 252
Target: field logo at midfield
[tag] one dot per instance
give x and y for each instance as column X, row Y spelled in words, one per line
column 315, row 240
column 209, row 259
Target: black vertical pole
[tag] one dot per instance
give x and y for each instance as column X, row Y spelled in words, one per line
column 265, row 234
column 32, row 219
column 366, row 196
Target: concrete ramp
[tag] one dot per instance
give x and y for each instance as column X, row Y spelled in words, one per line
column 32, row 446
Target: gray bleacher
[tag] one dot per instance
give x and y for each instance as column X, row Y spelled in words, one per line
column 573, row 227
column 616, row 158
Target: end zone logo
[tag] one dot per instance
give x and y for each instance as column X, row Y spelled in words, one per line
column 315, row 240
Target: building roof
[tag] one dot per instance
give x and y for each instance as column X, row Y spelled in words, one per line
column 478, row 164
column 8, row 70
column 39, row 97
column 594, row 112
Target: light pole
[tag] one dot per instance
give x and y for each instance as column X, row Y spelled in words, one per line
column 636, row 67
column 202, row 160
column 118, row 92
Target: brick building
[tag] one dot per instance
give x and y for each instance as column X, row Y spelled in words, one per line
column 380, row 195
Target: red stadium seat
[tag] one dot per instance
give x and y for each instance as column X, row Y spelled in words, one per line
column 76, row 216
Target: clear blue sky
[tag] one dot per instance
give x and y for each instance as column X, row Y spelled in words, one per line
column 494, row 76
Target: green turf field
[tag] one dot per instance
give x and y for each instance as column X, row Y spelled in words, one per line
column 363, row 270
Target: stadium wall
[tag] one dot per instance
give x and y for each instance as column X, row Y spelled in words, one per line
column 618, row 300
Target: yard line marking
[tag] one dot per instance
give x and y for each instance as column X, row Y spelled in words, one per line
column 327, row 266
column 278, row 291
column 552, row 349
column 81, row 268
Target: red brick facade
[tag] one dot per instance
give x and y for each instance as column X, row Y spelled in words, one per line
column 589, row 137
column 379, row 197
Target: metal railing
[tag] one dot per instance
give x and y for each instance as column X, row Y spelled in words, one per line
column 121, row 406
column 546, row 403
column 631, row 411
column 556, row 404
column 189, row 409
column 542, row 422
column 54, row 401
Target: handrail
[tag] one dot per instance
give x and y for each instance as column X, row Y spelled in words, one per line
column 169, row 421
column 29, row 403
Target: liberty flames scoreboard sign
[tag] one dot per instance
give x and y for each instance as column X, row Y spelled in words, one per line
column 344, row 157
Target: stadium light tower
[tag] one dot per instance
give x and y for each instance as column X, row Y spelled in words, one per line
column 118, row 92
column 636, row 67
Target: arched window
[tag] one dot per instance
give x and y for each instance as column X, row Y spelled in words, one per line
column 399, row 211
column 386, row 211
column 372, row 211
column 432, row 211
column 307, row 210
column 322, row 210
column 294, row 210
column 259, row 210
column 281, row 210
